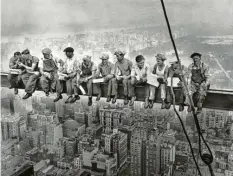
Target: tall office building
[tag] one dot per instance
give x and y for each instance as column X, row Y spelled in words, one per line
column 167, row 155
column 136, row 161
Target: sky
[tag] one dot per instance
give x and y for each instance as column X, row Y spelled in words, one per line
column 22, row 17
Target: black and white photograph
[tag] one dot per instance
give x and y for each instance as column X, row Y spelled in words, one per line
column 116, row 88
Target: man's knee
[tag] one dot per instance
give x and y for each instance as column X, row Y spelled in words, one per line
column 133, row 81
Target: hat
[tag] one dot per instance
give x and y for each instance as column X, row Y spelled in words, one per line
column 173, row 60
column 195, row 54
column 17, row 53
column 161, row 56
column 46, row 51
column 26, row 51
column 86, row 56
column 119, row 52
column 105, row 56
column 139, row 58
column 69, row 49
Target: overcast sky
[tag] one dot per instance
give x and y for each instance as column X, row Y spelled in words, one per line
column 21, row 17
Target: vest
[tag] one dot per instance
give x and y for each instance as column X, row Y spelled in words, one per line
column 49, row 65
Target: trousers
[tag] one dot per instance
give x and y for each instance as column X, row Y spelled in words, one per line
column 89, row 85
column 47, row 83
column 29, row 81
column 107, row 81
column 70, row 86
column 126, row 86
column 181, row 92
column 153, row 91
column 199, row 88
column 14, row 80
column 134, row 83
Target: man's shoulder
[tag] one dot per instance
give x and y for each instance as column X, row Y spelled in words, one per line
column 13, row 58
column 35, row 59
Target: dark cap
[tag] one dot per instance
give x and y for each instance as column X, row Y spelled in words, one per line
column 139, row 58
column 26, row 51
column 69, row 49
column 17, row 53
column 195, row 54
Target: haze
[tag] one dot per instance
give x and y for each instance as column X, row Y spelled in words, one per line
column 58, row 16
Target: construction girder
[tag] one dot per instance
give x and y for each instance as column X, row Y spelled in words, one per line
column 216, row 99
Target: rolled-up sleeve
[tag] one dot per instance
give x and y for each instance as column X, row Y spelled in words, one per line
column 133, row 72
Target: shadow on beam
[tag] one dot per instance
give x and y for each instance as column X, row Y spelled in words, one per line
column 216, row 99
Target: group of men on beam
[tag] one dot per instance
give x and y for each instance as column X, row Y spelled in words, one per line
column 73, row 72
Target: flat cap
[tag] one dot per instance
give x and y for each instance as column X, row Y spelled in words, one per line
column 69, row 49
column 17, row 53
column 119, row 52
column 139, row 58
column 195, row 54
column 161, row 56
column 104, row 56
column 26, row 51
column 46, row 51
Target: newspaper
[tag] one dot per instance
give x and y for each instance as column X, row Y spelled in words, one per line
column 152, row 80
column 99, row 80
column 175, row 82
column 15, row 71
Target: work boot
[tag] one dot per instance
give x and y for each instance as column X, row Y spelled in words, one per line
column 89, row 101
column 168, row 105
column 114, row 99
column 98, row 97
column 16, row 91
column 151, row 104
column 181, row 107
column 108, row 99
column 68, row 99
column 189, row 108
column 146, row 104
column 27, row 96
column 126, row 101
column 59, row 96
column 131, row 103
column 163, row 104
column 75, row 98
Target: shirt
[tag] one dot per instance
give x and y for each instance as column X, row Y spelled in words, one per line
column 70, row 65
column 177, row 71
column 124, row 68
column 32, row 60
column 87, row 70
column 58, row 62
column 142, row 73
column 204, row 70
column 105, row 70
column 162, row 72
column 12, row 63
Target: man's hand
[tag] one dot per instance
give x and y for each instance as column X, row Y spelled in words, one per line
column 21, row 64
column 109, row 77
column 144, row 80
column 46, row 74
column 118, row 78
column 85, row 79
